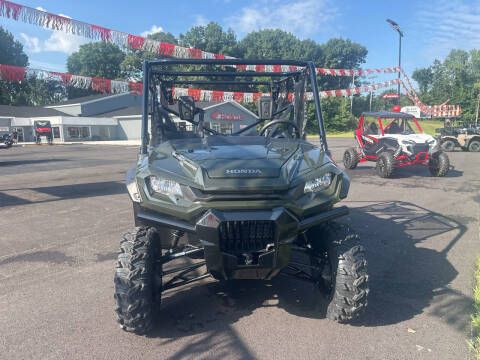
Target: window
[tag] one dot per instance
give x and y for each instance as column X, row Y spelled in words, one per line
column 56, row 132
column 226, row 128
column 78, row 132
column 216, row 127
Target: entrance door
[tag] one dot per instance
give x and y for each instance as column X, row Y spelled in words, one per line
column 20, row 137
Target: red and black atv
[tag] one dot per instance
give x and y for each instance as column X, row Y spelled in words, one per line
column 394, row 140
column 43, row 128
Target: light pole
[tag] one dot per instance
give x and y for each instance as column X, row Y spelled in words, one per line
column 396, row 27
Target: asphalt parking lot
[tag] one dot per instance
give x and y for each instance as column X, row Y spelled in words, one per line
column 64, row 208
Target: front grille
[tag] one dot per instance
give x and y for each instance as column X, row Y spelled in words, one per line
column 417, row 148
column 245, row 236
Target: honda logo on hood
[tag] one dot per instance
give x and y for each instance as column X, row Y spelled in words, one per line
column 243, row 172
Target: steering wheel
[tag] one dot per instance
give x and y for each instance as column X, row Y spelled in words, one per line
column 278, row 122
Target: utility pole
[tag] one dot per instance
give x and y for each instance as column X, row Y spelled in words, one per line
column 396, row 27
column 478, row 105
column 351, row 96
column 371, row 94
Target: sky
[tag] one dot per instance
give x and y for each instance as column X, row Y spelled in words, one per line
column 432, row 28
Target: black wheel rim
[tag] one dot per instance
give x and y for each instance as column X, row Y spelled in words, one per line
column 381, row 166
column 323, row 274
column 475, row 146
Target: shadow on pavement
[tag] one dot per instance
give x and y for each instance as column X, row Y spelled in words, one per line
column 29, row 162
column 407, row 276
column 405, row 279
column 47, row 256
column 402, row 173
column 62, row 192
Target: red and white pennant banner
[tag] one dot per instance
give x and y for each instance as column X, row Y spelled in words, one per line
column 103, row 85
column 212, row 95
column 358, row 90
column 98, row 84
column 56, row 22
column 357, row 72
column 442, row 110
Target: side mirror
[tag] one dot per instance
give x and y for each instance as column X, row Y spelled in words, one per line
column 265, row 107
column 186, row 108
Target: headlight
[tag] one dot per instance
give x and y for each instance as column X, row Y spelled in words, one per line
column 165, row 186
column 133, row 191
column 318, row 184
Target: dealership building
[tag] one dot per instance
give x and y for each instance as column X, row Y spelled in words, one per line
column 109, row 117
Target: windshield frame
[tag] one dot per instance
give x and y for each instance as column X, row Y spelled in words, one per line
column 156, row 68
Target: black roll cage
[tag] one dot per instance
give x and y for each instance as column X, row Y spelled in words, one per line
column 152, row 67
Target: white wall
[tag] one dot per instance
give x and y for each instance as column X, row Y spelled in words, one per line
column 129, row 128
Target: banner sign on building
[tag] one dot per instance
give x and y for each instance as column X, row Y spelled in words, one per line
column 390, row 96
column 413, row 110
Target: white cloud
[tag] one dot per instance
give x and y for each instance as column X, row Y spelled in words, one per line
column 57, row 42
column 63, row 42
column 455, row 24
column 32, row 43
column 301, row 17
column 154, row 29
column 200, row 20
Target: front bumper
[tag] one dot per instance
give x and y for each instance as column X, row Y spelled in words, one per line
column 261, row 258
column 420, row 158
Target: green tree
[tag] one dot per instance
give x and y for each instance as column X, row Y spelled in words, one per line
column 343, row 54
column 29, row 91
column 163, row 36
column 278, row 44
column 11, row 50
column 452, row 80
column 211, row 38
column 424, row 78
column 132, row 65
column 99, row 59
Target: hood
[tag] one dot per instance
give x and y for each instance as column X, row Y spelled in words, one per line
column 416, row 138
column 236, row 156
column 225, row 163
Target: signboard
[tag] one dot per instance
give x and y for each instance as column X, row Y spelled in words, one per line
column 219, row 115
column 390, row 96
column 4, row 129
column 413, row 110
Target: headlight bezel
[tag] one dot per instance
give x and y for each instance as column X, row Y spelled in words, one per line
column 319, row 183
column 164, row 186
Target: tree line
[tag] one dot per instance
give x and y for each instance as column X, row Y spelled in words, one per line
column 456, row 79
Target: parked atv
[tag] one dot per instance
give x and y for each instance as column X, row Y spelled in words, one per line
column 6, row 141
column 242, row 203
column 466, row 137
column 43, row 128
column 389, row 139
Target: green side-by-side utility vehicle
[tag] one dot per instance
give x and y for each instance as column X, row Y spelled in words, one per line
column 249, row 200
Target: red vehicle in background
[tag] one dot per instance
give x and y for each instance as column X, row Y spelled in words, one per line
column 394, row 140
column 43, row 128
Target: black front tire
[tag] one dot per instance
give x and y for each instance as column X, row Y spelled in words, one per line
column 385, row 164
column 439, row 164
column 350, row 158
column 448, row 145
column 474, row 146
column 137, row 289
column 347, row 289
